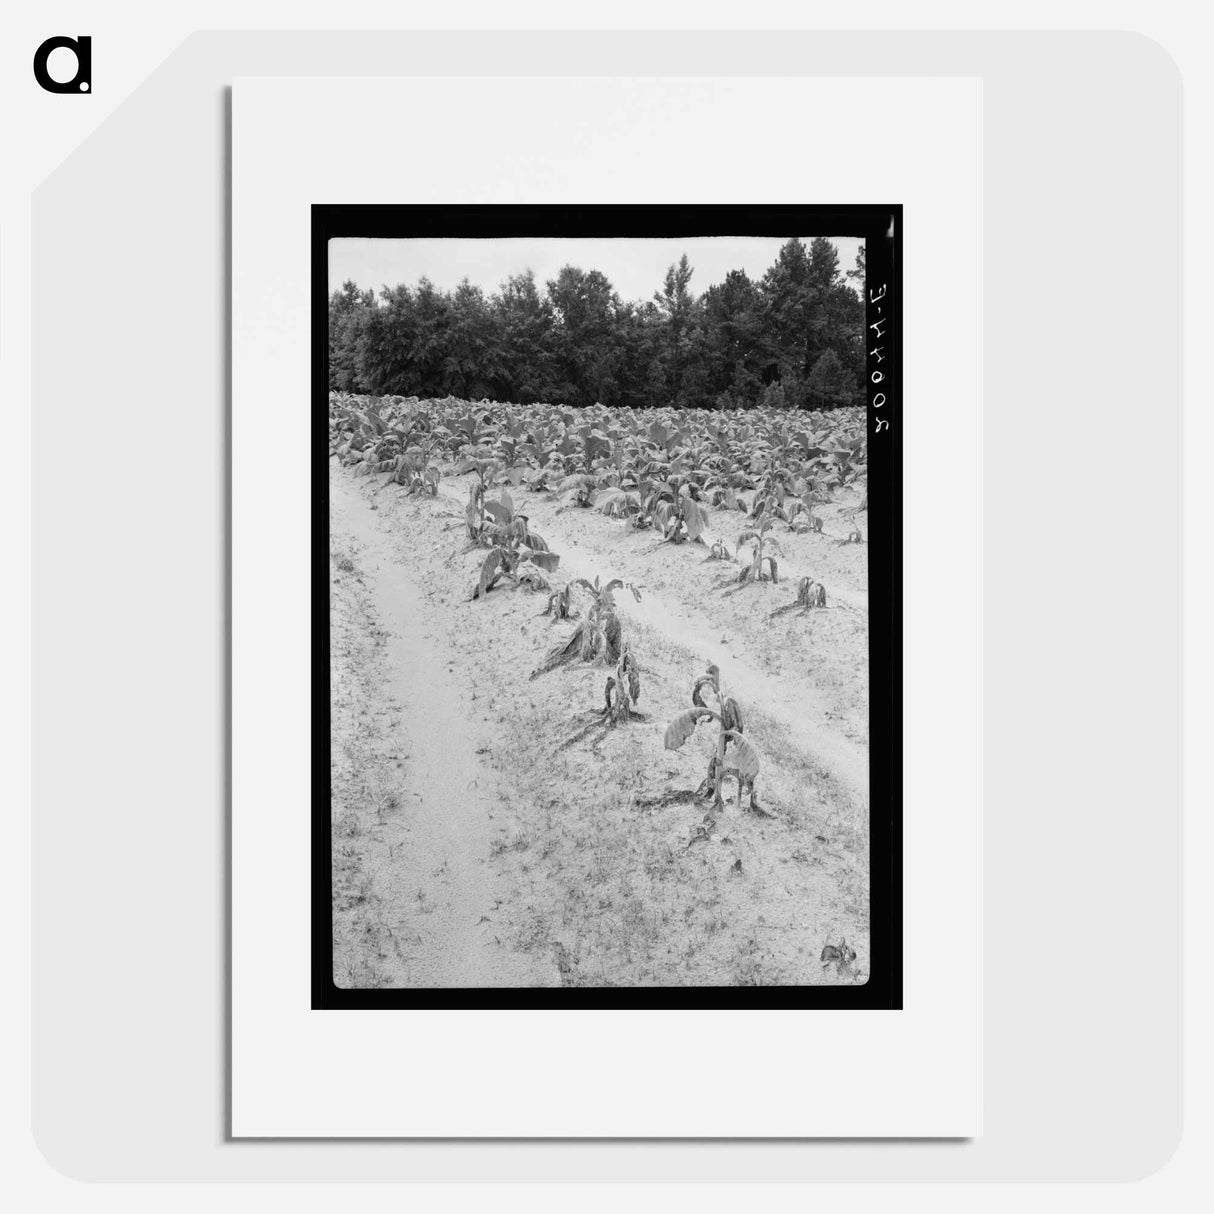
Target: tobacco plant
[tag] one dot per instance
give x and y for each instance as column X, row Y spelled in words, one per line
column 674, row 511
column 577, row 489
column 539, row 450
column 413, row 470
column 623, row 690
column 803, row 518
column 513, row 546
column 599, row 636
column 764, row 545
column 474, row 512
column 616, row 502
column 810, row 593
column 560, row 604
column 724, row 477
column 471, row 431
column 733, row 755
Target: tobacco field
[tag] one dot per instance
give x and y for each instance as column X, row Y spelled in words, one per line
column 599, row 694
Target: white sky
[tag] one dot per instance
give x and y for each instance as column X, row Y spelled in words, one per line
column 635, row 267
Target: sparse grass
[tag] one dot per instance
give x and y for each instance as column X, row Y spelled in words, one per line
column 342, row 558
column 365, row 786
column 517, row 842
column 612, row 884
column 753, row 964
column 347, row 825
column 353, row 971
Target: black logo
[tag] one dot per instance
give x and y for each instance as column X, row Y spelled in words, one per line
column 82, row 48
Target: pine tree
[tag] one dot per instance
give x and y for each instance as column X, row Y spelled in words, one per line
column 677, row 307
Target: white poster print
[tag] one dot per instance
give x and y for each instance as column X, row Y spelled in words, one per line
column 910, row 1072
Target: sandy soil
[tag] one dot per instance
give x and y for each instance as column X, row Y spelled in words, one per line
column 490, row 830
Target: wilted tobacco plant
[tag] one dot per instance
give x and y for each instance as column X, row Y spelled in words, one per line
column 804, row 518
column 853, row 536
column 599, row 636
column 425, row 481
column 810, row 593
column 577, row 489
column 841, row 956
column 741, row 762
column 474, row 512
column 514, row 544
column 623, row 690
column 615, row 502
column 719, row 552
column 560, row 604
column 761, row 551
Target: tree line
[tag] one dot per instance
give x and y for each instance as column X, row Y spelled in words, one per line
column 793, row 338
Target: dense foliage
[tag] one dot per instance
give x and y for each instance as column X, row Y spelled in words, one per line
column 660, row 469
column 792, row 339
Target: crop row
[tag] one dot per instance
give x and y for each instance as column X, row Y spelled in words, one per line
column 655, row 468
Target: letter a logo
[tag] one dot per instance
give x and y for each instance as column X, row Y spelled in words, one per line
column 82, row 48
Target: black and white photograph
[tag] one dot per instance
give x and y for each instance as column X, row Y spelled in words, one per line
column 606, row 605
column 634, row 625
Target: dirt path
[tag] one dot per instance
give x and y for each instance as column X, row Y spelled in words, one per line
column 437, row 887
